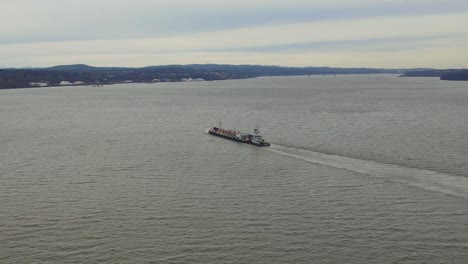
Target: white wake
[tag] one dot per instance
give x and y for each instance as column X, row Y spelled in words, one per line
column 428, row 180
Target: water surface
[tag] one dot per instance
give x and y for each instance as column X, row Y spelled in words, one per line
column 363, row 169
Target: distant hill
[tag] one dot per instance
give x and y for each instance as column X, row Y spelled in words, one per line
column 80, row 74
column 460, row 75
column 83, row 68
column 450, row 74
column 72, row 68
column 425, row 73
column 261, row 70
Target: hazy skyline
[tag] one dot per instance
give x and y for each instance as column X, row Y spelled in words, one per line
column 349, row 33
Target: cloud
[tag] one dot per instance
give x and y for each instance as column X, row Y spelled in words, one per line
column 361, row 29
column 455, row 57
column 144, row 32
column 61, row 20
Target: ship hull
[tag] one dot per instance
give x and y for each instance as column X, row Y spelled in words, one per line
column 264, row 144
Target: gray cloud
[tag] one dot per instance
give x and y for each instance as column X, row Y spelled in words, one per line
column 53, row 20
column 52, row 31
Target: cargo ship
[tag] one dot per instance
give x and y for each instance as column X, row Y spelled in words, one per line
column 250, row 138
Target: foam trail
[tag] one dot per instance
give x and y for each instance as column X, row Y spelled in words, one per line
column 425, row 179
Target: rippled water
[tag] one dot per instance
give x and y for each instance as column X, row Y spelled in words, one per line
column 369, row 169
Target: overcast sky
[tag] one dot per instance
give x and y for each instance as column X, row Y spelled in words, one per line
column 343, row 33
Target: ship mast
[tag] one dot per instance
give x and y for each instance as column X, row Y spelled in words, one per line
column 256, row 131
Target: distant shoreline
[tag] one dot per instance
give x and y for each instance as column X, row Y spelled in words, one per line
column 117, row 83
column 84, row 75
column 446, row 75
column 80, row 74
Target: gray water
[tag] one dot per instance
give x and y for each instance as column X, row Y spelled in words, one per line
column 368, row 169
